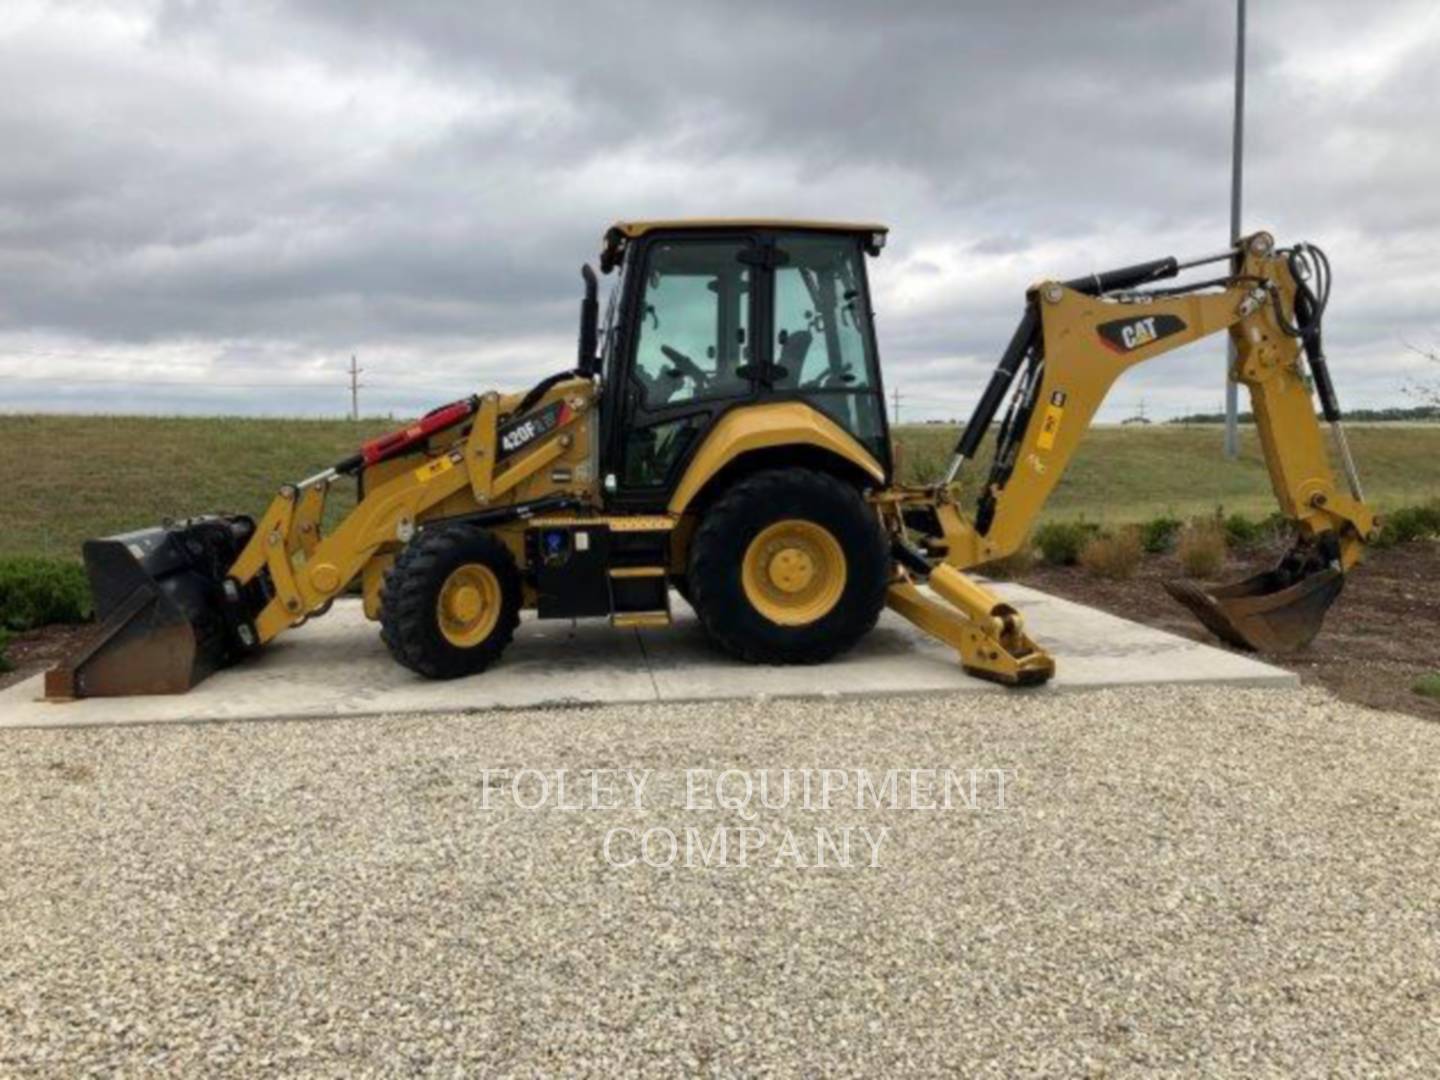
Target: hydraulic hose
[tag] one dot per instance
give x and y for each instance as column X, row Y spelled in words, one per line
column 1310, row 269
column 1021, row 342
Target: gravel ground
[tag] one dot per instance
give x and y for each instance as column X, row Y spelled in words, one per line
column 1180, row 880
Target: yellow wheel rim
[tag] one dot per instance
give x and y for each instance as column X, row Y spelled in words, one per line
column 794, row 572
column 468, row 605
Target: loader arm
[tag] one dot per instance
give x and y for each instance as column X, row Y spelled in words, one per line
column 1075, row 339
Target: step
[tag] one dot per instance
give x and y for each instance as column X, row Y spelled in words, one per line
column 640, row 619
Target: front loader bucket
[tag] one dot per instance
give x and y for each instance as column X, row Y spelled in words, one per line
column 162, row 623
column 1270, row 612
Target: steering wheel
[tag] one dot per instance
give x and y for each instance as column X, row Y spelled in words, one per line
column 685, row 366
column 832, row 379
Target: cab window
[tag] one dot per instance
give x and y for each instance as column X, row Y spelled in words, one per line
column 822, row 339
column 694, row 333
column 822, row 343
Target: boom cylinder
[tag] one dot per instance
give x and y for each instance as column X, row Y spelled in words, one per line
column 999, row 386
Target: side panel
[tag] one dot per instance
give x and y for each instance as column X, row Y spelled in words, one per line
column 759, row 427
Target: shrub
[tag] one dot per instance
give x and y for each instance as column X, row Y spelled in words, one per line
column 1115, row 555
column 1202, row 548
column 1410, row 523
column 36, row 592
column 1060, row 541
column 1242, row 533
column 4, row 644
column 1276, row 523
column 1157, row 536
column 1428, row 685
column 1013, row 566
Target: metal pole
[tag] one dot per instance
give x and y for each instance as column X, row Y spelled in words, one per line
column 354, row 389
column 1237, row 149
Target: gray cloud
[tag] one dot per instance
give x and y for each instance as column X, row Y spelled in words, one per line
column 244, row 193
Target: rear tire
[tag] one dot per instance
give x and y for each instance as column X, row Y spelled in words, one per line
column 789, row 566
column 450, row 603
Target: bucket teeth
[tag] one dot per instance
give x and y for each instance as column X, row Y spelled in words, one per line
column 1269, row 612
column 161, row 619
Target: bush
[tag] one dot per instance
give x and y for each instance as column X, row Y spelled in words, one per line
column 1428, row 685
column 1202, row 548
column 1410, row 523
column 4, row 644
column 1115, row 555
column 1242, row 533
column 1277, row 524
column 1013, row 566
column 1060, row 542
column 1157, row 536
column 36, row 592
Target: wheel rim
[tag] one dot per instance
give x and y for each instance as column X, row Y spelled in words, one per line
column 468, row 606
column 794, row 572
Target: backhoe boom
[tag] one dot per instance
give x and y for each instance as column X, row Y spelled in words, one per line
column 1075, row 339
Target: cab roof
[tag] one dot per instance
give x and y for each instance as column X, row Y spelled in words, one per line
column 632, row 229
column 623, row 231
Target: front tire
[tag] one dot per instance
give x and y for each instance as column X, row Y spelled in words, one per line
column 451, row 602
column 789, row 566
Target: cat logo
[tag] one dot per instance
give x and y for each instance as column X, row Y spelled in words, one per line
column 1126, row 335
column 1140, row 332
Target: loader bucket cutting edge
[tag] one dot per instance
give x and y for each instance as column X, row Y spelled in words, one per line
column 1262, row 613
column 160, row 625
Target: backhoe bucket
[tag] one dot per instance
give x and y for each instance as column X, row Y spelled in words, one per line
column 1270, row 612
column 162, row 619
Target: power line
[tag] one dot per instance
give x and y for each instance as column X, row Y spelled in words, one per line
column 206, row 383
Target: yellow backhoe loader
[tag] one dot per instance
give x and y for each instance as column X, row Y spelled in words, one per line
column 724, row 433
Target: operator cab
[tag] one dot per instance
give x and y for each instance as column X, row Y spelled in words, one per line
column 710, row 315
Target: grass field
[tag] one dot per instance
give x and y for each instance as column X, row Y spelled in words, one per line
column 1125, row 474
column 72, row 477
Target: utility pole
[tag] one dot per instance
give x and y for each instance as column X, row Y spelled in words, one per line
column 354, row 389
column 896, row 395
column 1237, row 149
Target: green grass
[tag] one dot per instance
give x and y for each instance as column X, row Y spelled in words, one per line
column 1428, row 685
column 72, row 477
column 1131, row 474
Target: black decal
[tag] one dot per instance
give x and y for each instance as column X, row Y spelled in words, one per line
column 522, row 431
column 1126, row 335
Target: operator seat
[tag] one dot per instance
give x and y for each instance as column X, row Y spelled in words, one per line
column 793, row 349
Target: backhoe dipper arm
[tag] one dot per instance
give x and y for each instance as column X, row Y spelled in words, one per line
column 1077, row 337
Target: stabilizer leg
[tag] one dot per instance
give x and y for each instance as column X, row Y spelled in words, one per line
column 988, row 634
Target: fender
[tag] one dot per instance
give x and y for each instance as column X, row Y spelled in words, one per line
column 758, row 427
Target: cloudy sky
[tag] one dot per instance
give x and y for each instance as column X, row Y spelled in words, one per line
column 206, row 207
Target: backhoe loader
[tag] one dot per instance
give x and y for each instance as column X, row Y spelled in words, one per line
column 724, row 433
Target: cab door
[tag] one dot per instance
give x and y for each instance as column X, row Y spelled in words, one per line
column 691, row 355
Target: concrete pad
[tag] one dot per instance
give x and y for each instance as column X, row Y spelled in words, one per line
column 337, row 666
